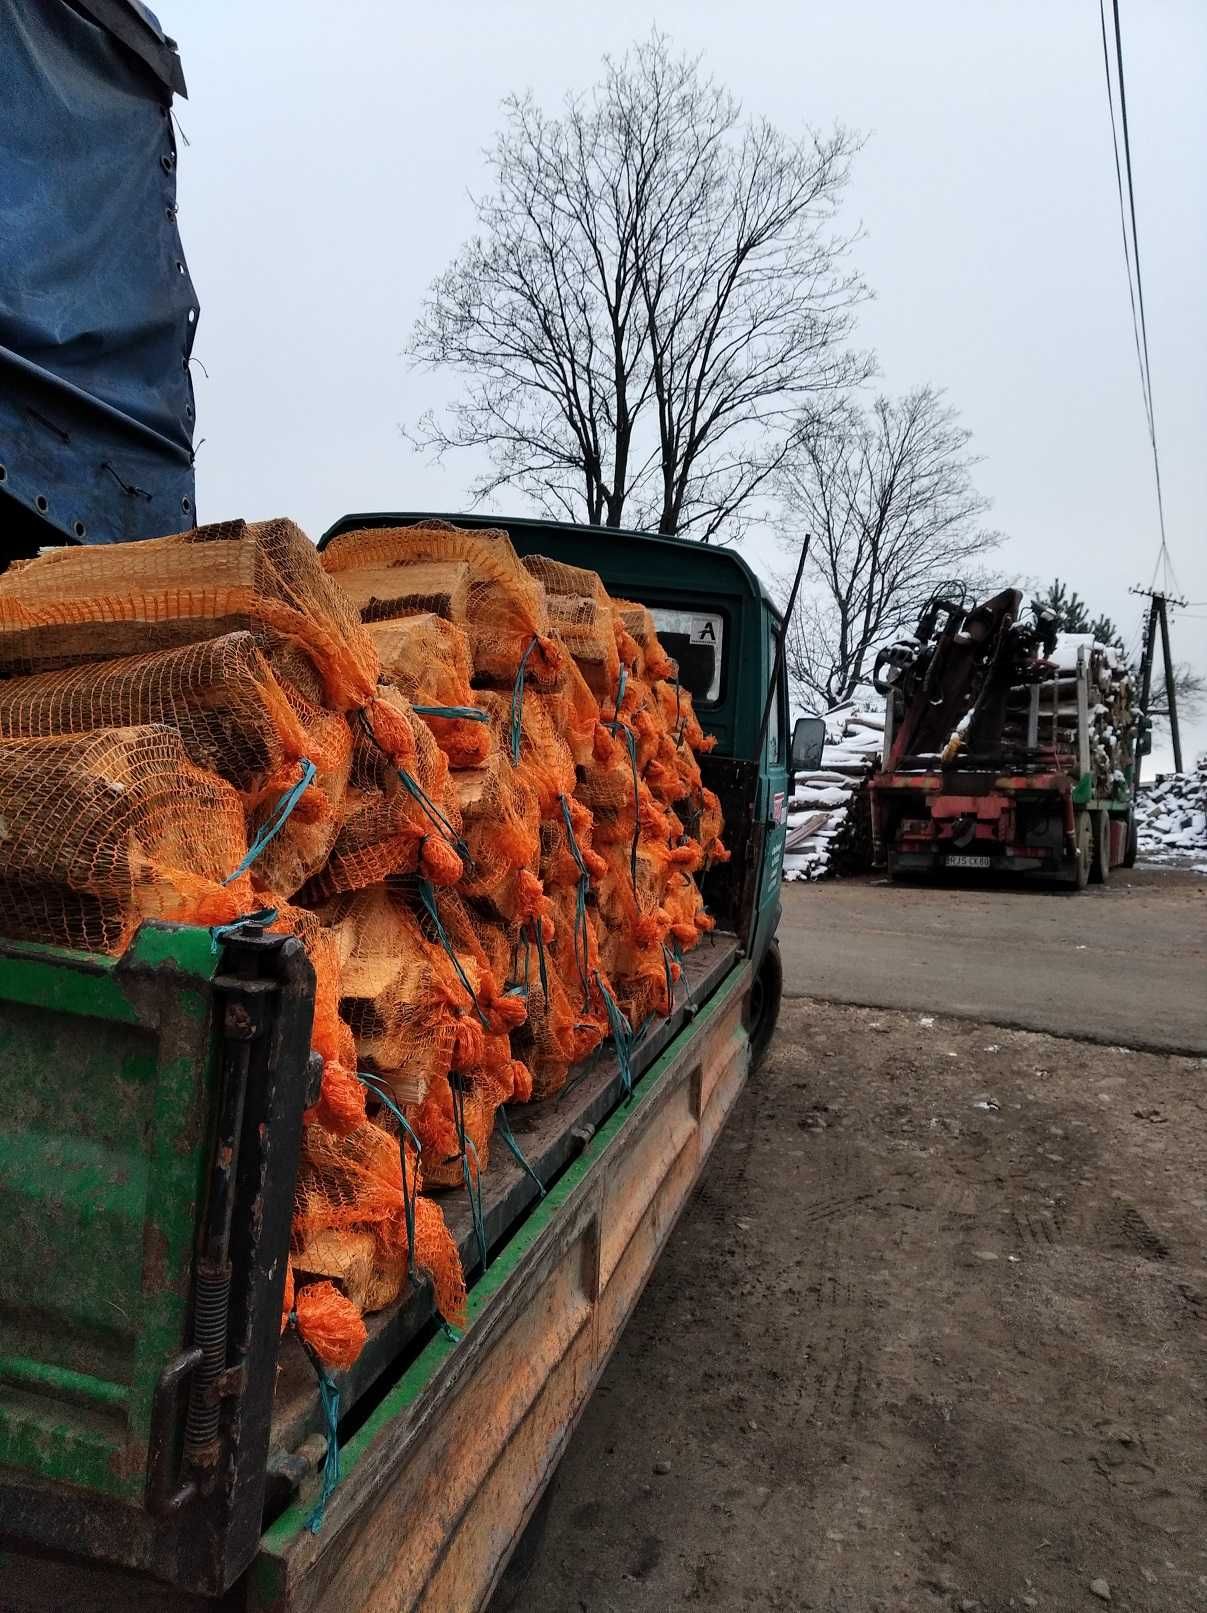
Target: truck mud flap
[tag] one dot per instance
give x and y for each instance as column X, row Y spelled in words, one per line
column 438, row 1483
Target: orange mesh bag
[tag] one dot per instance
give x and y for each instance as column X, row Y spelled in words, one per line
column 542, row 757
column 386, row 590
column 341, row 1102
column 635, row 622
column 455, row 1122
column 575, row 958
column 679, row 716
column 98, row 603
column 220, row 696
column 581, row 614
column 401, row 815
column 505, row 612
column 685, row 905
column 710, row 825
column 575, row 714
column 301, row 847
column 501, row 830
column 400, row 992
column 329, row 1324
column 103, row 830
column 567, row 848
column 428, row 660
column 350, row 1220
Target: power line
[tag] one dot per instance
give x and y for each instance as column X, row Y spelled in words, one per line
column 1136, row 296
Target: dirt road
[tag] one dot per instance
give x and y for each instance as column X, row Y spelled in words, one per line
column 1121, row 963
column 930, row 1336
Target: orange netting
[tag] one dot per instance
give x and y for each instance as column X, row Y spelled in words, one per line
column 103, row 830
column 93, row 604
column 476, row 923
column 504, row 610
column 428, row 660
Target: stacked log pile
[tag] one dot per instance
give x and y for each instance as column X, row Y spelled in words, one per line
column 1110, row 709
column 829, row 818
column 468, row 784
column 1171, row 816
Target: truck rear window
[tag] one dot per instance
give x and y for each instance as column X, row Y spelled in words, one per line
column 696, row 639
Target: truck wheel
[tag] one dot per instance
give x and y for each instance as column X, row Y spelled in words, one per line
column 764, row 1008
column 1077, row 873
column 1132, row 846
column 1100, row 861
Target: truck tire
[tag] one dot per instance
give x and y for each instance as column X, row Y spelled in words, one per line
column 1132, row 846
column 1100, row 860
column 1076, row 875
column 764, row 1008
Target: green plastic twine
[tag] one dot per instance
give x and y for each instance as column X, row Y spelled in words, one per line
column 219, row 932
column 582, row 935
column 466, row 1150
column 517, row 700
column 465, row 713
column 630, row 740
column 329, row 1401
column 416, row 791
column 622, row 1035
column 279, row 819
column 508, row 1137
column 427, row 895
column 373, row 1084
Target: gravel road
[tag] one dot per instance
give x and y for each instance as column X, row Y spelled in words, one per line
column 931, row 1333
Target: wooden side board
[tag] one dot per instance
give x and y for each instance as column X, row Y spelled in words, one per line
column 438, row 1483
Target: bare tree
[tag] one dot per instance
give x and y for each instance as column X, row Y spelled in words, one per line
column 887, row 495
column 654, row 296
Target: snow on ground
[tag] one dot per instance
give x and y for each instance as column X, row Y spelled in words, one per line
column 1171, row 816
column 818, row 814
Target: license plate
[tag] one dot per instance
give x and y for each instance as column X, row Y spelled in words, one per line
column 968, row 862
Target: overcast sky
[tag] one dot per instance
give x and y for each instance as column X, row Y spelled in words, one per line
column 332, row 151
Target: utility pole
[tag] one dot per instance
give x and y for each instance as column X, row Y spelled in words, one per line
column 1158, row 622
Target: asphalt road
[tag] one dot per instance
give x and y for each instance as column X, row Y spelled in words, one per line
column 1124, row 963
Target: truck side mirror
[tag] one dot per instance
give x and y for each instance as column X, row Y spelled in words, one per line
column 808, row 742
column 1144, row 740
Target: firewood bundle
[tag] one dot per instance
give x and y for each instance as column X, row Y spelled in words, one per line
column 468, row 784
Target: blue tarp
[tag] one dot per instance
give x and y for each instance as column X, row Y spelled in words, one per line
column 97, row 311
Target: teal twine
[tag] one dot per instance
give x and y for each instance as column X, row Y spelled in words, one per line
column 508, row 1137
column 670, row 979
column 538, row 934
column 467, row 1148
column 427, row 895
column 417, row 792
column 515, row 986
column 465, row 713
column 622, row 1035
column 517, row 700
column 630, row 740
column 582, row 935
column 680, row 722
column 329, row 1401
column 373, row 1084
column 451, row 1333
column 219, row 932
column 620, row 686
column 280, row 817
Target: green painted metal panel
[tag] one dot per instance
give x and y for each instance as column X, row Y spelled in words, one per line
column 107, row 1068
column 266, row 1580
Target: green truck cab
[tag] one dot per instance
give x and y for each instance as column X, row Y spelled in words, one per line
column 161, row 1443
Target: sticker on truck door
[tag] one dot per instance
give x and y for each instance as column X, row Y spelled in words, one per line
column 779, row 808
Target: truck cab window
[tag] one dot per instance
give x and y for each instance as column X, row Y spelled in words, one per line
column 696, row 640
